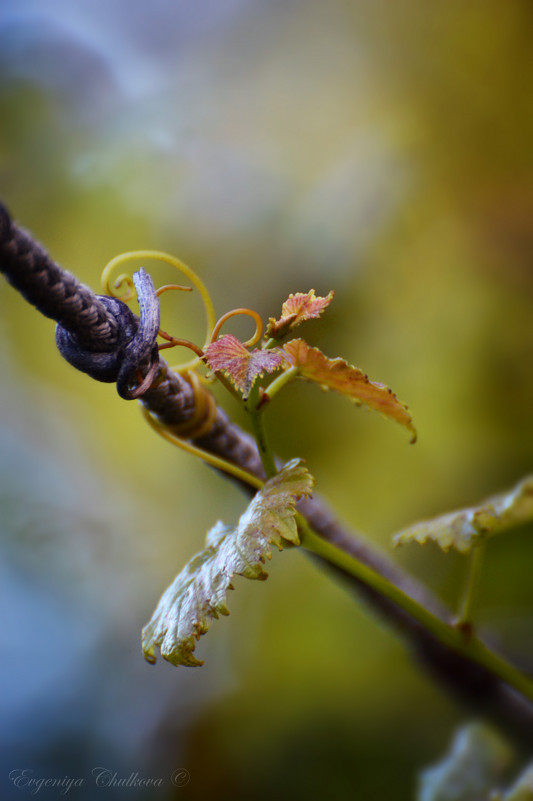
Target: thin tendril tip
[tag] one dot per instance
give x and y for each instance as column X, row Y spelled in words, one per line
column 233, row 313
column 183, row 268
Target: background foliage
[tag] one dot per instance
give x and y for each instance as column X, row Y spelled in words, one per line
column 381, row 149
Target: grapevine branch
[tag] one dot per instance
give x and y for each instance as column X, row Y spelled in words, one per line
column 102, row 337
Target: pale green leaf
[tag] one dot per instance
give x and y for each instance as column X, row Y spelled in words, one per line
column 476, row 761
column 198, row 594
column 467, row 527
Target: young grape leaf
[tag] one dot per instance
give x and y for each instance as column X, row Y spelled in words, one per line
column 476, row 762
column 337, row 374
column 198, row 594
column 296, row 309
column 467, row 527
column 242, row 367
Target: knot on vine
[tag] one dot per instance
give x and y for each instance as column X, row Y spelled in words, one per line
column 133, row 361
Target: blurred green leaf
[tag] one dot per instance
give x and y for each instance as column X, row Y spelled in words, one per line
column 474, row 765
column 522, row 790
column 465, row 528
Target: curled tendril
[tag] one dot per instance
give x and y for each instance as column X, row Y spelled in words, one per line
column 123, row 278
column 205, row 411
column 233, row 313
column 168, row 287
column 173, row 342
column 215, row 461
column 157, row 255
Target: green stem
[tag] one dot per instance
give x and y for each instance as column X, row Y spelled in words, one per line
column 279, row 382
column 449, row 635
column 258, row 429
column 472, row 582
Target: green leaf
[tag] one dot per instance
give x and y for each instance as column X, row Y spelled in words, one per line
column 467, row 527
column 297, row 309
column 229, row 355
column 477, row 759
column 198, row 594
column 342, row 377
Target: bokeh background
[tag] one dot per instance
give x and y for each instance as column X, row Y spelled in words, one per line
column 378, row 148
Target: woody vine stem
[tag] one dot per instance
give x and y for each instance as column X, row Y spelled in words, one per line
column 99, row 335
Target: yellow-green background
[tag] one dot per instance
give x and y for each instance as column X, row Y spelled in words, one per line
column 381, row 149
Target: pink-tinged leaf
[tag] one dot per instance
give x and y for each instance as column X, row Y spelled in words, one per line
column 296, row 309
column 337, row 374
column 242, row 367
column 198, row 594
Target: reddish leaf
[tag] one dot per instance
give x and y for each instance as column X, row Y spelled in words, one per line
column 296, row 309
column 242, row 367
column 337, row 374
